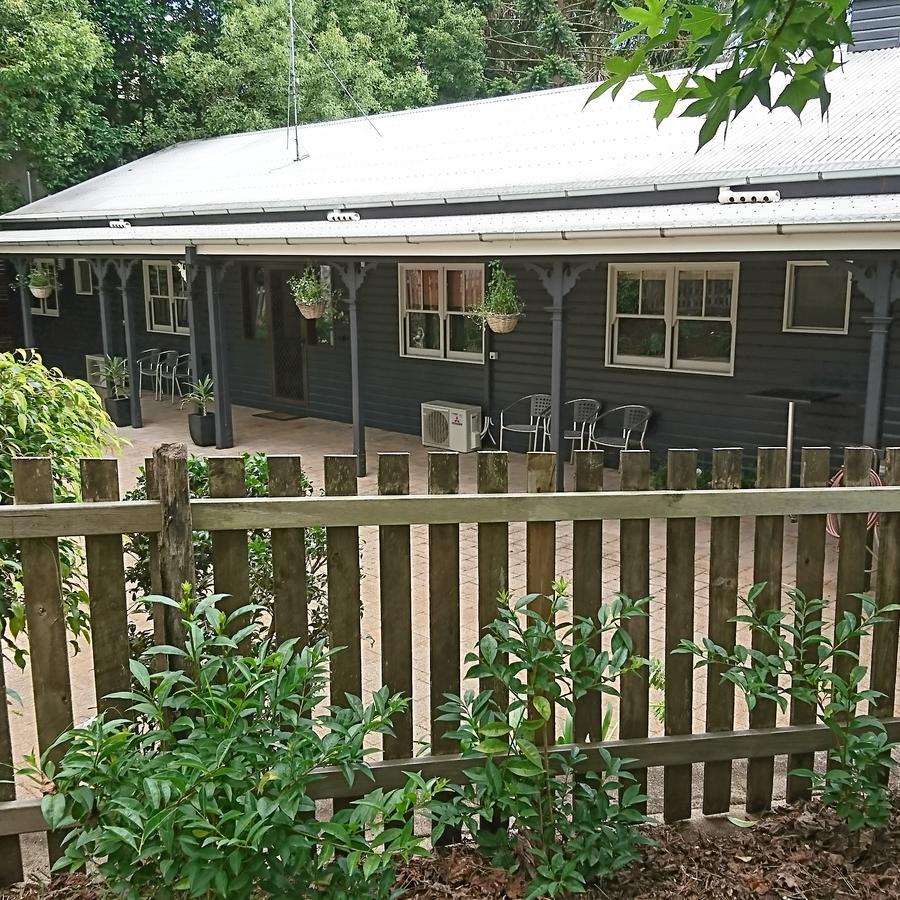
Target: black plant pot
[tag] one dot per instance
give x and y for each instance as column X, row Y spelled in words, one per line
column 203, row 429
column 119, row 410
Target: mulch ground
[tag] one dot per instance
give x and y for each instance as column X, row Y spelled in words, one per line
column 803, row 853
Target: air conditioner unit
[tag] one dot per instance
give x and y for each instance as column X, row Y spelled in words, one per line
column 451, row 426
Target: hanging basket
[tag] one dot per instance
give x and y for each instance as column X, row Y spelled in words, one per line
column 312, row 310
column 501, row 323
column 42, row 292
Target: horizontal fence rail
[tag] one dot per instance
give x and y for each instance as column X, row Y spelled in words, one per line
column 714, row 543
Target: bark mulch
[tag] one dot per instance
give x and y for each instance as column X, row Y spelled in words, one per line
column 802, row 853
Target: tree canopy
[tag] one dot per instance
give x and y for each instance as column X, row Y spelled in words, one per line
column 85, row 86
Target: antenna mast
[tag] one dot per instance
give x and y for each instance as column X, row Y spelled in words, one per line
column 293, row 110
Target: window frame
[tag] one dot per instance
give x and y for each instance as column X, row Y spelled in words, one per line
column 173, row 299
column 786, row 326
column 669, row 362
column 39, row 304
column 443, row 351
column 79, row 284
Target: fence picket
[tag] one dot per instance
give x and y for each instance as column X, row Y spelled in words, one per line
column 230, row 552
column 680, row 561
column 107, row 591
column 634, row 582
column 768, row 551
column 724, row 557
column 443, row 600
column 49, row 651
column 814, row 467
column 395, row 584
column 852, row 552
column 493, row 547
column 587, row 582
column 884, row 639
column 289, row 580
column 10, row 846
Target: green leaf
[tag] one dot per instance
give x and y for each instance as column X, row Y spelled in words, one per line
column 53, row 807
column 543, row 708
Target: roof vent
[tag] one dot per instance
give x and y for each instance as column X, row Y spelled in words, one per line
column 119, row 223
column 343, row 215
column 727, row 195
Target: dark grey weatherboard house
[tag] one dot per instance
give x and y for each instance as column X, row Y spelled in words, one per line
column 641, row 286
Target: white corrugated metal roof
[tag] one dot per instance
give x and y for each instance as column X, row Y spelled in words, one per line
column 541, row 144
column 479, row 235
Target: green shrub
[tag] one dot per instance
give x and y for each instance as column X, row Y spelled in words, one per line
column 209, row 795
column 501, row 296
column 567, row 829
column 799, row 665
column 43, row 413
column 262, row 587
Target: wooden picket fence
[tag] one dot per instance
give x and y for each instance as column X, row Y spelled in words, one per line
column 170, row 517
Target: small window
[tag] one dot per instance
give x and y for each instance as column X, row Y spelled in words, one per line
column 165, row 297
column 84, row 278
column 679, row 317
column 46, row 306
column 816, row 298
column 436, row 304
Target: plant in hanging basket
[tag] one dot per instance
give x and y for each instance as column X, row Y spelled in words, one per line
column 39, row 283
column 310, row 295
column 502, row 307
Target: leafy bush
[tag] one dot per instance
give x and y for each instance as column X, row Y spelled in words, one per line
column 569, row 827
column 43, row 413
column 801, row 666
column 501, row 297
column 209, row 795
column 262, row 587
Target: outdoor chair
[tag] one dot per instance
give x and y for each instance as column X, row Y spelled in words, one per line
column 148, row 364
column 634, row 421
column 165, row 370
column 179, row 377
column 584, row 414
column 538, row 411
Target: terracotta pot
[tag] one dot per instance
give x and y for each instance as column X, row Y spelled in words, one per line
column 41, row 292
column 502, row 323
column 312, row 310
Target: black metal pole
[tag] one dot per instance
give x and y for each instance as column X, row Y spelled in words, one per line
column 22, row 264
column 880, row 323
column 218, row 345
column 134, row 375
column 191, row 271
column 558, row 373
column 359, row 428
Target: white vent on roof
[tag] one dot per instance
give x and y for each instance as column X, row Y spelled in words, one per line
column 343, row 215
column 727, row 195
column 119, row 223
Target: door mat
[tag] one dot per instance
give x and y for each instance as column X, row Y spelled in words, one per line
column 278, row 416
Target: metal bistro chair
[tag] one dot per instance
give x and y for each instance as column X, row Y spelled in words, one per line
column 538, row 411
column 180, row 376
column 634, row 422
column 148, row 364
column 165, row 370
column 584, row 414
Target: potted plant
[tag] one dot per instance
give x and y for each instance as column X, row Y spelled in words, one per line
column 114, row 372
column 202, row 423
column 502, row 307
column 309, row 294
column 39, row 284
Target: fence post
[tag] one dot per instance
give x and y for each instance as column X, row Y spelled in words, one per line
column 680, row 562
column 395, row 583
column 176, row 537
column 815, row 463
column 587, row 583
column 157, row 613
column 768, row 550
column 724, row 553
column 49, row 650
column 10, row 846
column 290, row 607
column 634, row 582
column 106, row 589
column 852, row 552
column 230, row 553
column 884, row 637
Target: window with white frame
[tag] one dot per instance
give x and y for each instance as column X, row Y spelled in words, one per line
column 84, row 277
column 673, row 316
column 46, row 306
column 436, row 304
column 165, row 296
column 816, row 297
